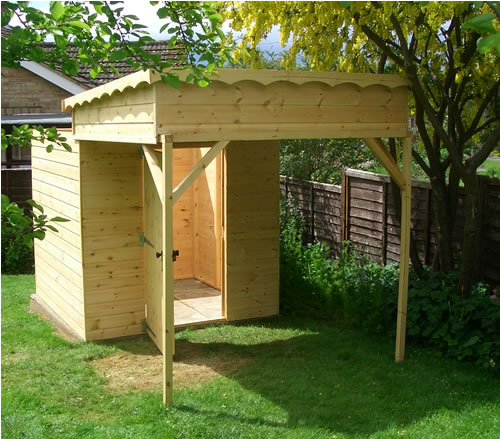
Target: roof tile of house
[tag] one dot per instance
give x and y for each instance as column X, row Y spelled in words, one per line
column 83, row 77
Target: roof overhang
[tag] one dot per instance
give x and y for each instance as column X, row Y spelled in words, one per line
column 53, row 76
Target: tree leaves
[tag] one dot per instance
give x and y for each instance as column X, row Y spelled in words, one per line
column 481, row 23
column 491, row 42
column 80, row 25
column 57, row 10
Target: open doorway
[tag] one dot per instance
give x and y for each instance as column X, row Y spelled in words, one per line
column 197, row 237
column 198, row 217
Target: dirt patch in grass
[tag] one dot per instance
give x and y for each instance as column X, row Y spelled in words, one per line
column 194, row 365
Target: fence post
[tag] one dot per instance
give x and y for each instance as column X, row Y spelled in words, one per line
column 484, row 188
column 312, row 212
column 384, row 223
column 428, row 226
column 344, row 209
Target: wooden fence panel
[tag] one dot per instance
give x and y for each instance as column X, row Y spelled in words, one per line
column 362, row 211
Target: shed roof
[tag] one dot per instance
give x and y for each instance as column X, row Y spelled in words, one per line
column 243, row 104
column 231, row 76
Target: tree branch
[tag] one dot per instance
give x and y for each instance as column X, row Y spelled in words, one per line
column 421, row 162
column 485, row 150
column 492, row 93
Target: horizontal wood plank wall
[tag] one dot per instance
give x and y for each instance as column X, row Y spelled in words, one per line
column 183, row 216
column 112, row 219
column 248, row 110
column 58, row 258
column 126, row 114
column 207, row 262
column 252, row 229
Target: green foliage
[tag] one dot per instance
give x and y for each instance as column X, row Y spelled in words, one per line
column 483, row 23
column 362, row 294
column 19, row 228
column 465, row 329
column 103, row 34
column 322, row 159
column 352, row 288
column 24, row 135
column 17, row 257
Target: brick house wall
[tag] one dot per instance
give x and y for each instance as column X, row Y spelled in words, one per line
column 26, row 92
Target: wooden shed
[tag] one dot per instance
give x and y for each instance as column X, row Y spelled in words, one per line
column 159, row 174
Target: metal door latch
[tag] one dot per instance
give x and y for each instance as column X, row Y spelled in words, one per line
column 175, row 253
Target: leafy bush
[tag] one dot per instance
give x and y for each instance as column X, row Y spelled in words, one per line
column 17, row 257
column 19, row 228
column 17, row 254
column 465, row 329
column 362, row 294
column 352, row 288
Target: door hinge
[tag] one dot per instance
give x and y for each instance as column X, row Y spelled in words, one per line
column 175, row 253
column 143, row 240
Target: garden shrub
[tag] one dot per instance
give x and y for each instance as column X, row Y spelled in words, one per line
column 17, row 253
column 465, row 329
column 17, row 257
column 360, row 293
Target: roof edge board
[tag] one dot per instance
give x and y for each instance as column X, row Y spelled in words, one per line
column 54, row 77
column 232, row 76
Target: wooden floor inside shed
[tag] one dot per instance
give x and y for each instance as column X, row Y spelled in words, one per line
column 196, row 303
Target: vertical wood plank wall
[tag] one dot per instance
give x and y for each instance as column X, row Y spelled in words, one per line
column 58, row 258
column 252, row 229
column 112, row 219
column 183, row 216
column 206, row 208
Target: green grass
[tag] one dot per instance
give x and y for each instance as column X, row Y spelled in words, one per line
column 303, row 380
column 492, row 168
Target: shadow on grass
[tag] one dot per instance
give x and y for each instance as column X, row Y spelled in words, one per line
column 341, row 380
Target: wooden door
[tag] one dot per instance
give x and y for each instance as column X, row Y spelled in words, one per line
column 152, row 263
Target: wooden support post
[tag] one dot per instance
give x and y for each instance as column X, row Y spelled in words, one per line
column 168, row 272
column 198, row 169
column 404, row 251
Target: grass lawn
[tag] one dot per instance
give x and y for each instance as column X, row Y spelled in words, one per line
column 492, row 168
column 273, row 379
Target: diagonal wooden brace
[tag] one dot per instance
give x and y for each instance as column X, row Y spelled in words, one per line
column 183, row 186
column 380, row 151
column 155, row 168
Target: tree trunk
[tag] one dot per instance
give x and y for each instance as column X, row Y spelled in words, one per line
column 471, row 251
column 445, row 232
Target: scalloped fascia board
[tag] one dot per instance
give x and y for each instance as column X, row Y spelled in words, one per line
column 231, row 76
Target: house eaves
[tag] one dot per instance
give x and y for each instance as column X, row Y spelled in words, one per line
column 53, row 76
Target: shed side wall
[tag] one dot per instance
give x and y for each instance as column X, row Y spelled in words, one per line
column 252, row 229
column 58, row 258
column 111, row 223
